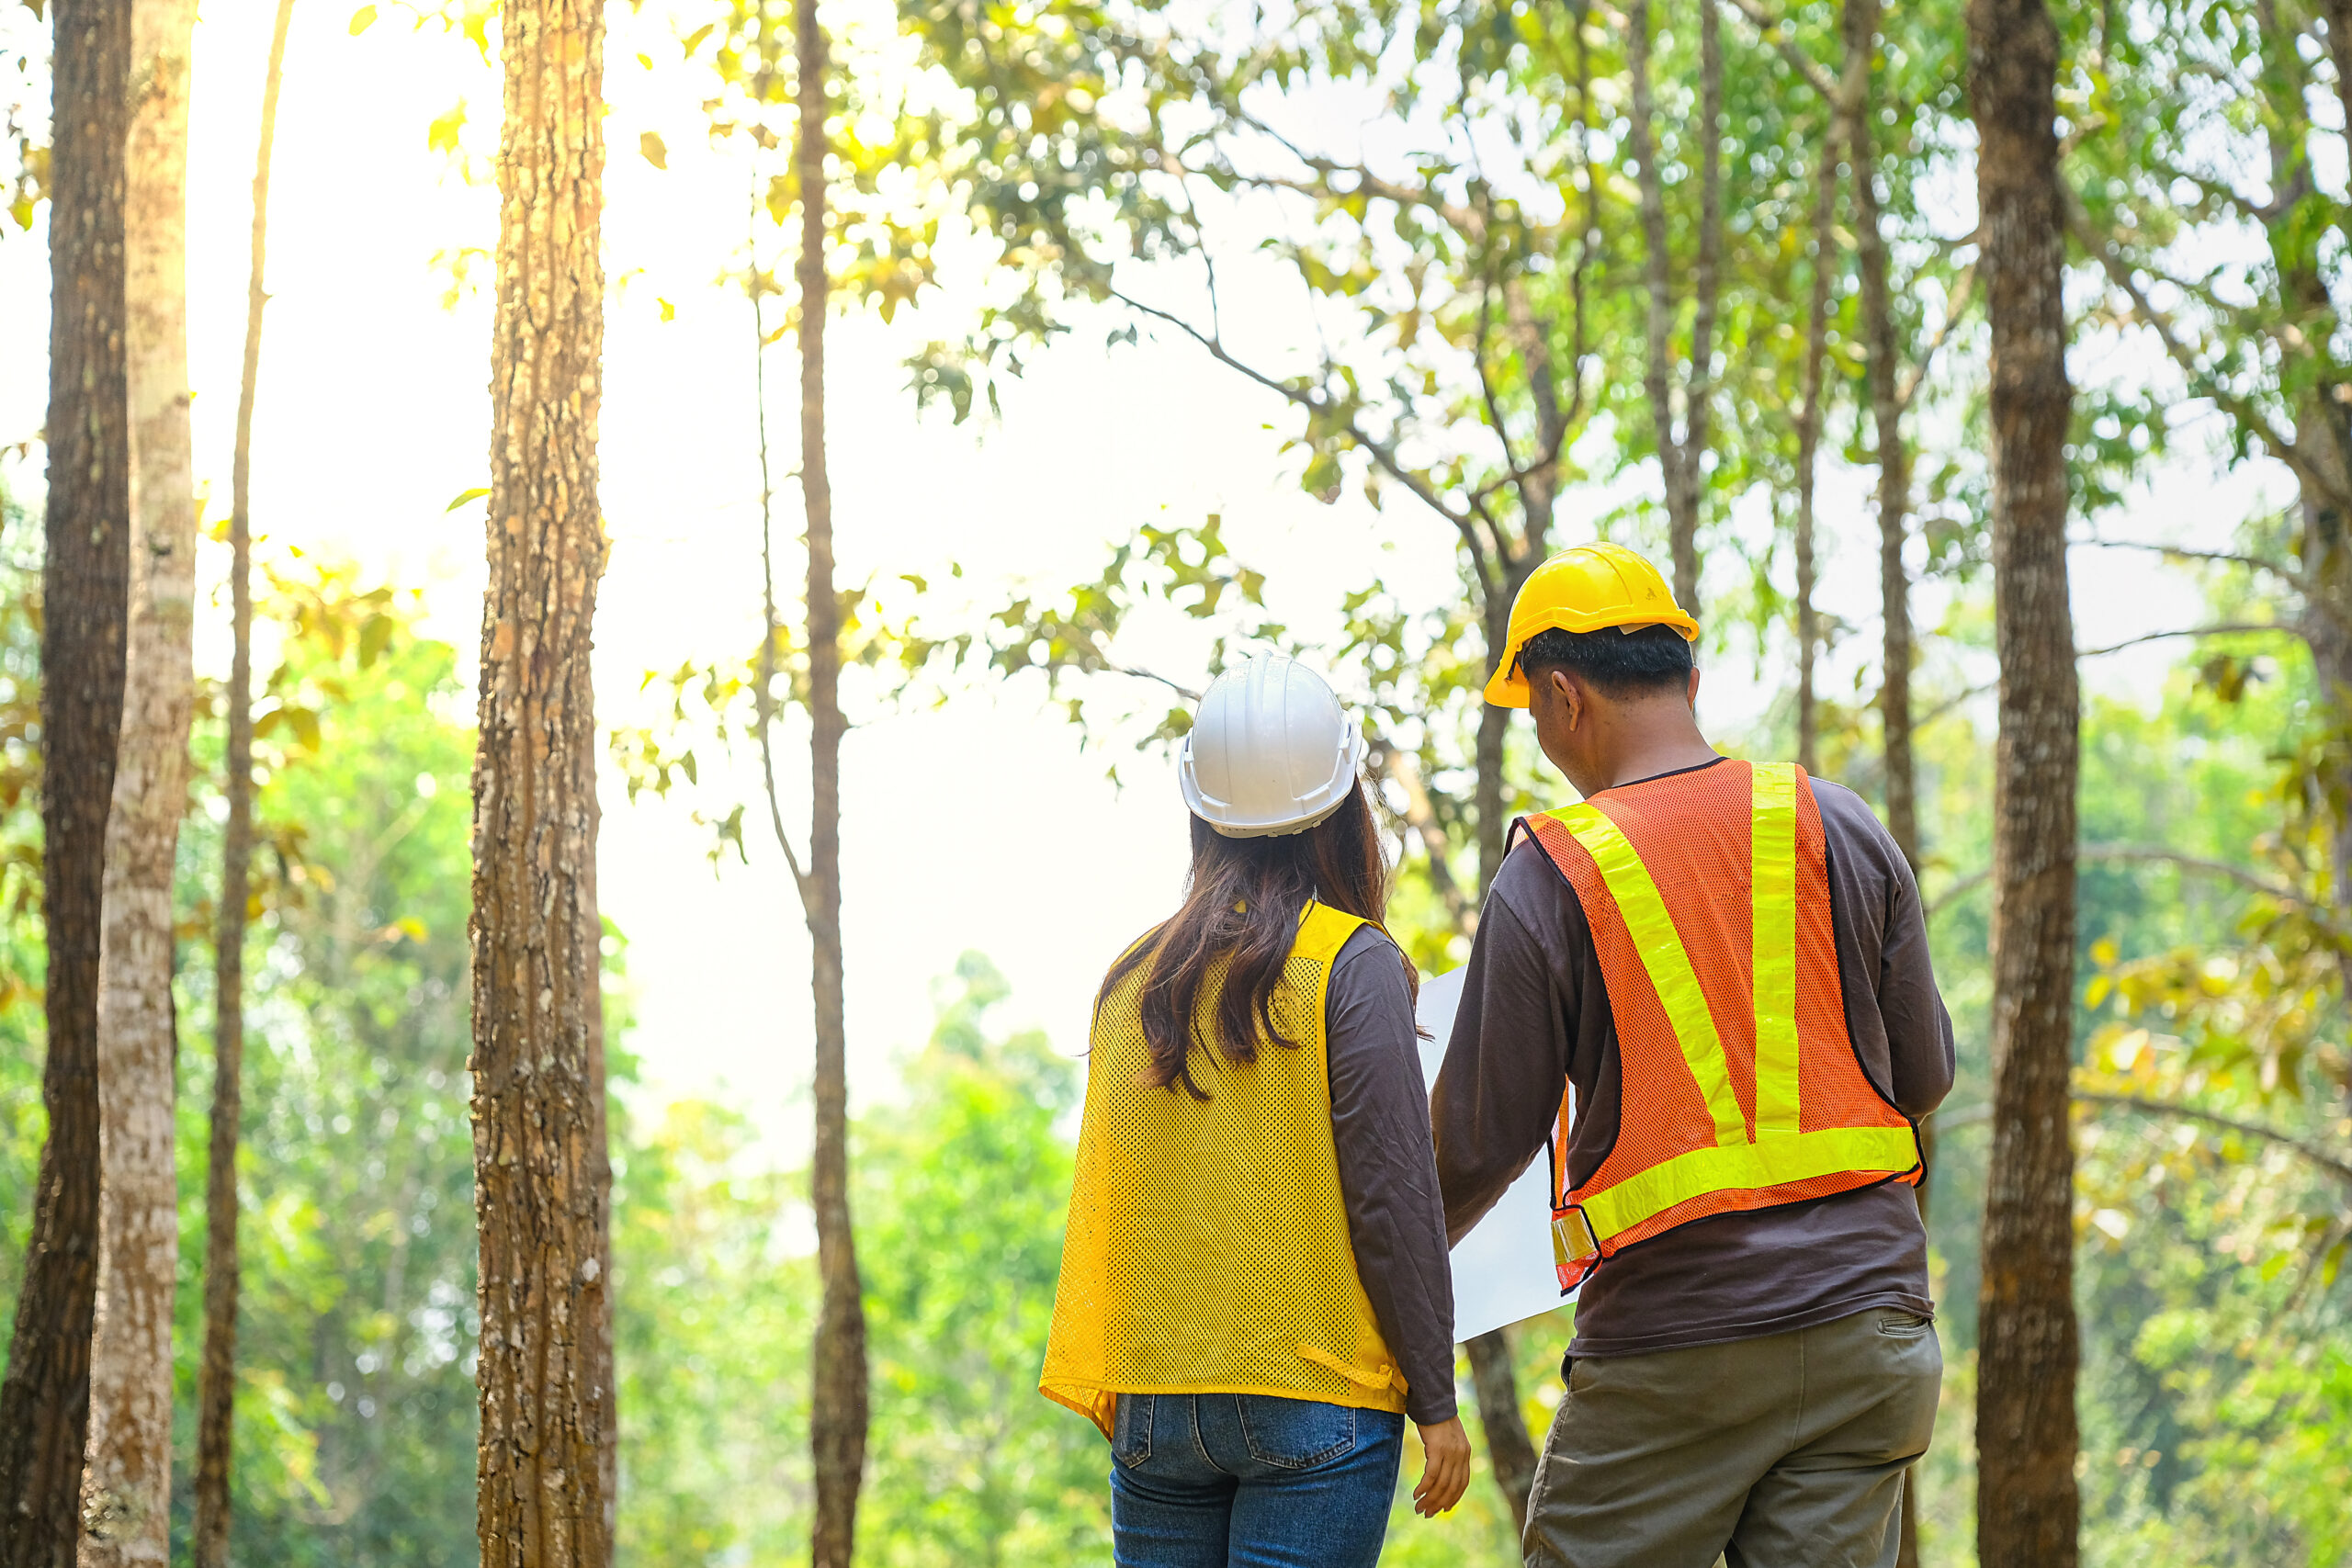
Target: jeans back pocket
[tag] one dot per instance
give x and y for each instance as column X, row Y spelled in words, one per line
column 1131, row 1431
column 1296, row 1434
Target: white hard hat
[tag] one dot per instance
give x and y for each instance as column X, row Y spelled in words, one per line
column 1271, row 750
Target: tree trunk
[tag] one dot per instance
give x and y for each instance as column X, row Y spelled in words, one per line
column 2325, row 549
column 2028, row 1505
column 126, row 1479
column 1510, row 1449
column 1816, row 349
column 838, row 1411
column 1893, row 462
column 217, row 1377
column 1508, row 1446
column 44, row 1400
column 542, row 1175
column 1706, row 283
column 1681, row 459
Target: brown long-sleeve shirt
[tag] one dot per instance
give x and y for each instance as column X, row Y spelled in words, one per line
column 1379, row 1125
column 1536, row 1016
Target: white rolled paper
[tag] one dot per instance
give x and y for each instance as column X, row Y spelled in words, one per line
column 1502, row 1269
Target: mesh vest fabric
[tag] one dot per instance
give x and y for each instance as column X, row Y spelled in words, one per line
column 1708, row 898
column 1207, row 1250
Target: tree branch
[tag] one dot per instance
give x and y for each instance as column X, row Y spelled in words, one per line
column 1963, row 290
column 1772, row 30
column 2202, row 383
column 1973, row 1115
column 2336, row 1166
column 2253, row 882
column 2189, row 631
column 2290, row 574
column 1399, row 766
column 1381, row 452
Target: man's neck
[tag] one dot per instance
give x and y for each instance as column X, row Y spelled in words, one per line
column 1666, row 743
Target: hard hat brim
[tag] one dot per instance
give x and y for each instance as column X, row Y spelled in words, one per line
column 1507, row 688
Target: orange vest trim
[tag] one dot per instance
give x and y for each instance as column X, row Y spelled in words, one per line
column 1707, row 893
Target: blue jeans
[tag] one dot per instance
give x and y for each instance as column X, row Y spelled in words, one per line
column 1250, row 1480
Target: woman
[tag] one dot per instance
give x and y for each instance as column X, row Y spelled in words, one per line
column 1254, row 1292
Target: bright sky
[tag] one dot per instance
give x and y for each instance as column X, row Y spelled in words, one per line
column 978, row 824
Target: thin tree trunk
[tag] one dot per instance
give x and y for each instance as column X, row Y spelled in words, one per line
column 44, row 1399
column 1658, row 312
column 1511, row 1447
column 1894, row 460
column 217, row 1378
column 542, row 1174
column 127, row 1478
column 1681, row 459
column 1706, row 283
column 2028, row 1505
column 1816, row 349
column 2339, row 48
column 838, row 1411
column 1508, row 1446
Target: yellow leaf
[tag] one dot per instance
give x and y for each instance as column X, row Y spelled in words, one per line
column 669, row 312
column 441, row 136
column 362, row 19
column 655, row 153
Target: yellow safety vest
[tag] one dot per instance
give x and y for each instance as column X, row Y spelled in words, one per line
column 1208, row 1248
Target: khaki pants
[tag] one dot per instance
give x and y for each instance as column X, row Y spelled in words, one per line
column 1781, row 1452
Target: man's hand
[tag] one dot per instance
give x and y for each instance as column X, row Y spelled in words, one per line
column 1445, row 1468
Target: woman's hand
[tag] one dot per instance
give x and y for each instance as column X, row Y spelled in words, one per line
column 1445, row 1468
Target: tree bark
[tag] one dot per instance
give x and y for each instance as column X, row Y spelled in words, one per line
column 1509, row 1447
column 542, row 1175
column 1681, row 457
column 127, row 1478
column 1816, row 349
column 44, row 1399
column 1886, row 412
column 837, row 1412
column 217, row 1377
column 2027, row 1506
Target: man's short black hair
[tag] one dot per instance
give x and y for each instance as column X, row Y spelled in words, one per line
column 1641, row 662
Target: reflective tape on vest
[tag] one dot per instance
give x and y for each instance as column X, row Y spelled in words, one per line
column 1774, row 855
column 1665, row 959
column 1770, row 1161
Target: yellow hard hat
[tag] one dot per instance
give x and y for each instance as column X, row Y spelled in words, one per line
column 1584, row 590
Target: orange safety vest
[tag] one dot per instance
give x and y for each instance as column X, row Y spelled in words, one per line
column 1708, row 895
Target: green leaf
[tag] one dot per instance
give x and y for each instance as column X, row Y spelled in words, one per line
column 375, row 636
column 466, row 495
column 362, row 19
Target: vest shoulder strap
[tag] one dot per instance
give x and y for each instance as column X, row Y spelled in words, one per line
column 1323, row 930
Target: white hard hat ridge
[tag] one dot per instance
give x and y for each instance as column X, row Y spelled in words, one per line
column 1270, row 751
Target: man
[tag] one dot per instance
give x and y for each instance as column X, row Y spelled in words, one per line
column 1729, row 963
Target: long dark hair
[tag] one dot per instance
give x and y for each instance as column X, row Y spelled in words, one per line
column 1238, row 922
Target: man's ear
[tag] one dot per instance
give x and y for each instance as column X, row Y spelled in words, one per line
column 1691, row 695
column 1565, row 693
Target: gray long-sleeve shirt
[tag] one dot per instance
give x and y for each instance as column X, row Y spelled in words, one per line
column 1379, row 1125
column 1536, row 1016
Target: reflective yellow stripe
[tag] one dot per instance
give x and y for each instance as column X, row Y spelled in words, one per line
column 1774, row 919
column 1746, row 1168
column 1665, row 961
